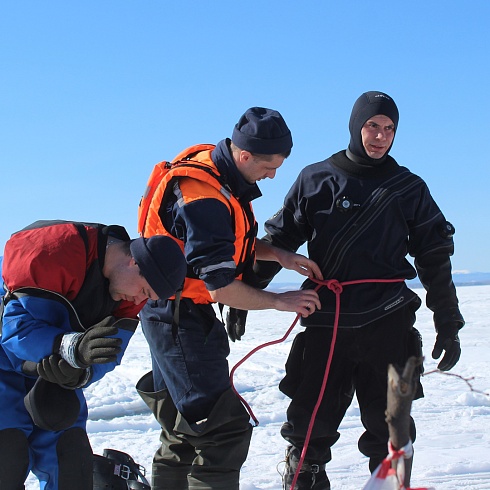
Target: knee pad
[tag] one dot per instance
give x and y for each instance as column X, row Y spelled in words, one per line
column 75, row 466
column 51, row 406
column 14, row 459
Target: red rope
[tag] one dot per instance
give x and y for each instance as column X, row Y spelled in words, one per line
column 336, row 287
column 250, row 354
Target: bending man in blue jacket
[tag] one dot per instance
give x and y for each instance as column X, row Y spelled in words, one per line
column 71, row 295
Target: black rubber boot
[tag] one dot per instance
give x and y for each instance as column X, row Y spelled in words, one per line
column 14, row 459
column 172, row 461
column 311, row 475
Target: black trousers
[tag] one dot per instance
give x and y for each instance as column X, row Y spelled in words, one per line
column 359, row 366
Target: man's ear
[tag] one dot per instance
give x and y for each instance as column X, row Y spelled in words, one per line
column 245, row 156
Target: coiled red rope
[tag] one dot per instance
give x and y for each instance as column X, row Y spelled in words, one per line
column 336, row 287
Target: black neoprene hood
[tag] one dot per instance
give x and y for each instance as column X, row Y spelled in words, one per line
column 369, row 104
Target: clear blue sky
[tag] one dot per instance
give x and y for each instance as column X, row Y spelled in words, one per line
column 94, row 93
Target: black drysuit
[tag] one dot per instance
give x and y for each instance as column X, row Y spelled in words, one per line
column 360, row 222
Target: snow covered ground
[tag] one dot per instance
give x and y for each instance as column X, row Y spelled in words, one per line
column 452, row 450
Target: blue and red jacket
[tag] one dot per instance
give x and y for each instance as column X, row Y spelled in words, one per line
column 53, row 282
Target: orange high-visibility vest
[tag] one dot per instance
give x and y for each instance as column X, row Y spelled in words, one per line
column 198, row 178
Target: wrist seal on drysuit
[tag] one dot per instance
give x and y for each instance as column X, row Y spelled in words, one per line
column 448, row 316
column 68, row 349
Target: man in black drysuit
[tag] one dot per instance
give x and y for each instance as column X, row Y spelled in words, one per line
column 361, row 214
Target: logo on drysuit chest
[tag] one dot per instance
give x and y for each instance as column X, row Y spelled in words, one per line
column 345, row 204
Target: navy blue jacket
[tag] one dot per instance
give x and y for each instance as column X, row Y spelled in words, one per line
column 206, row 226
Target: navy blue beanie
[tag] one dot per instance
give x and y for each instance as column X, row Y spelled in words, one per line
column 161, row 263
column 262, row 131
column 369, row 104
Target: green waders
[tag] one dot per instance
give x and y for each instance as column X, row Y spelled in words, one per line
column 203, row 456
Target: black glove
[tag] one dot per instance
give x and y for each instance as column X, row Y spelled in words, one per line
column 94, row 346
column 447, row 339
column 235, row 323
column 56, row 370
column 29, row 368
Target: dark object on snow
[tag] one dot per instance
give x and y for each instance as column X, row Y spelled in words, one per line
column 116, row 470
